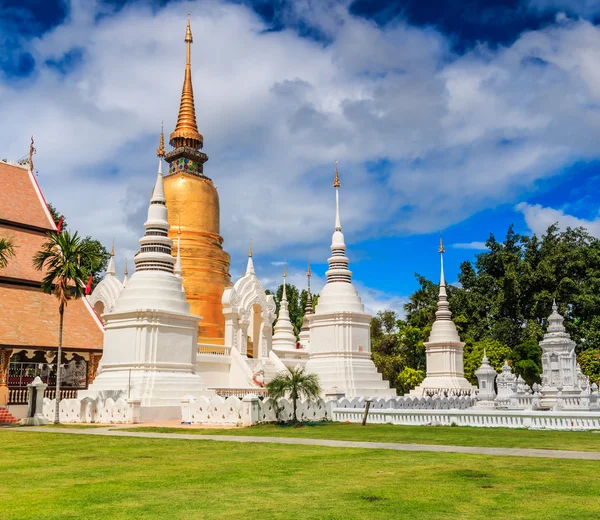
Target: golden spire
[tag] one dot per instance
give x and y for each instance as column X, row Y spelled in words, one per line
column 160, row 152
column 112, row 251
column 441, row 249
column 284, row 269
column 336, row 179
column 186, row 131
column 250, row 250
column 308, row 275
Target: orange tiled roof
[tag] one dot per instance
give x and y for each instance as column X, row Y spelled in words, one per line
column 27, row 244
column 29, row 318
column 21, row 199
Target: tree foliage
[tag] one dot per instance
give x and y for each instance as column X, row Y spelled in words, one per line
column 297, row 384
column 96, row 262
column 502, row 304
column 7, row 251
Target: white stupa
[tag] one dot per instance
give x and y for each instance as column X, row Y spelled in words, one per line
column 304, row 336
column 105, row 294
column 444, row 350
column 340, row 342
column 284, row 338
column 559, row 363
column 150, row 336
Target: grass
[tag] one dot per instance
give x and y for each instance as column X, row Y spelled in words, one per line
column 60, row 476
column 446, row 435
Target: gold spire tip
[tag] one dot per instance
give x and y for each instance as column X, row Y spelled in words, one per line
column 284, row 269
column 160, row 151
column 441, row 249
column 336, row 179
column 112, row 251
column 188, row 32
column 308, row 273
column 250, row 250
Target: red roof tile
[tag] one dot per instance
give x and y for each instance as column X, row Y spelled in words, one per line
column 30, row 319
column 21, row 199
column 27, row 243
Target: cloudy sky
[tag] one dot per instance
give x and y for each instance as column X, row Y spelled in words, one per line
column 461, row 116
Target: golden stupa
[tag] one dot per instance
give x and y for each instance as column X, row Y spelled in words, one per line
column 193, row 204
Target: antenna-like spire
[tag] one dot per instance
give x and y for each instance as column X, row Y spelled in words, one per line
column 111, row 263
column 336, row 185
column 441, row 251
column 250, row 264
column 160, row 152
column 186, row 131
column 284, row 296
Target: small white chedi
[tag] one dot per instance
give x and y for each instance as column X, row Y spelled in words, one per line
column 150, row 336
column 340, row 343
column 444, row 350
column 284, row 337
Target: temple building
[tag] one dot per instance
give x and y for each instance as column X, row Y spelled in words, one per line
column 340, row 341
column 30, row 318
column 444, row 350
column 150, row 345
column 194, row 212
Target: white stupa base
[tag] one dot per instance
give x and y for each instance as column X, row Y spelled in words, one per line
column 550, row 395
column 160, row 391
column 350, row 373
column 450, row 385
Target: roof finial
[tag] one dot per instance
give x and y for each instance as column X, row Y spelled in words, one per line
column 250, row 250
column 441, row 249
column 250, row 264
column 336, row 185
column 284, row 269
column 186, row 131
column 284, row 296
column 112, row 251
column 336, row 179
column 31, row 152
column 160, row 152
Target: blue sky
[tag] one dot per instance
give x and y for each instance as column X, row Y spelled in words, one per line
column 461, row 116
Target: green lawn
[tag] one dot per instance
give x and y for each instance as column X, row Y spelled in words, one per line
column 453, row 436
column 60, row 476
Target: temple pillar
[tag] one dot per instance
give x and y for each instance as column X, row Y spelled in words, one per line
column 5, row 355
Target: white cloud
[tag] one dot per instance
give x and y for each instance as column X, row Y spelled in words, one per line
column 459, row 133
column 469, row 245
column 581, row 7
column 539, row 218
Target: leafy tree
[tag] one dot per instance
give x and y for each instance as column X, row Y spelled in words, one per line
column 527, row 361
column 97, row 262
column 295, row 383
column 61, row 256
column 7, row 251
column 408, row 379
column 589, row 361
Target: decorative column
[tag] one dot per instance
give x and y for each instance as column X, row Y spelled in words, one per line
column 5, row 355
column 92, row 367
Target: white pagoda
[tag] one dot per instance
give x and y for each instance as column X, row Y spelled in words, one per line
column 340, row 342
column 444, row 351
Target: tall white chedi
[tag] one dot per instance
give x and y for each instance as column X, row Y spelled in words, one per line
column 283, row 336
column 150, row 336
column 444, row 350
column 340, row 342
column 304, row 336
column 560, row 370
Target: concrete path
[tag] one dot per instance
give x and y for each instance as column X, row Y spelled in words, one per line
column 476, row 450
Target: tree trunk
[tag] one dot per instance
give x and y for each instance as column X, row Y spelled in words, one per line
column 294, row 397
column 58, row 359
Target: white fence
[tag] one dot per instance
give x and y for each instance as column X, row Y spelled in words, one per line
column 251, row 410
column 107, row 411
column 535, row 420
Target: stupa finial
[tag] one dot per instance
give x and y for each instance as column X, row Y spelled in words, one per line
column 160, row 152
column 186, row 131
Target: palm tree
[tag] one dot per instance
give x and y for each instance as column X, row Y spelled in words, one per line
column 297, row 384
column 7, row 250
column 61, row 257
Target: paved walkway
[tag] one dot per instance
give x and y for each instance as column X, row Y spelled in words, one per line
column 476, row 450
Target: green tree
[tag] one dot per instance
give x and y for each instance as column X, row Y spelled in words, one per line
column 7, row 251
column 61, row 257
column 589, row 361
column 97, row 262
column 408, row 379
column 297, row 384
